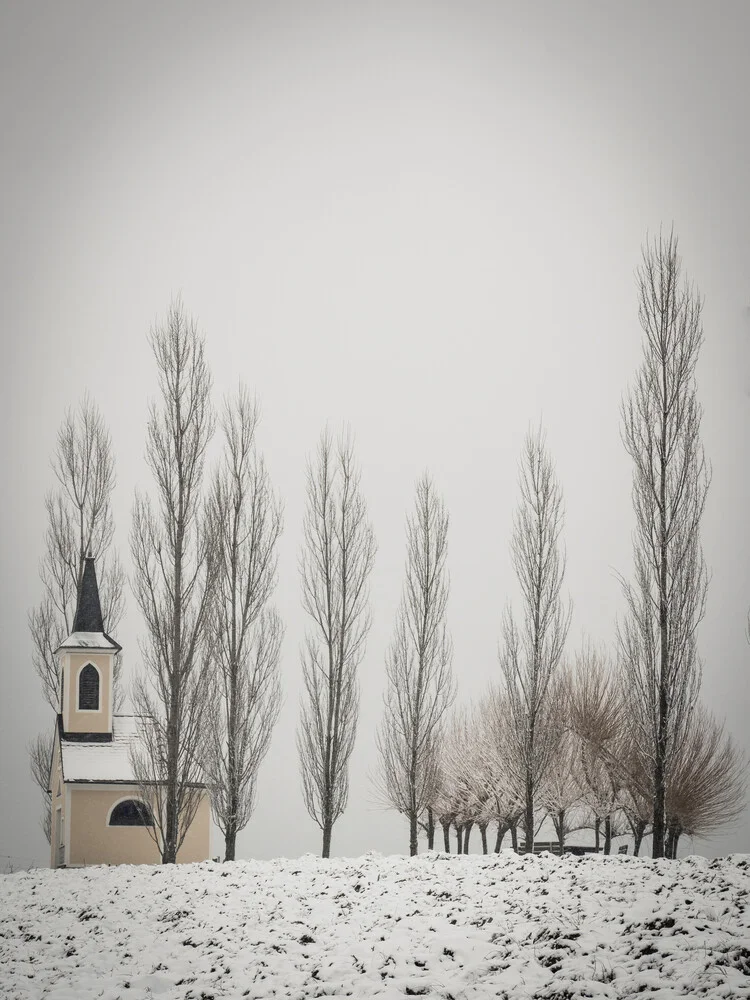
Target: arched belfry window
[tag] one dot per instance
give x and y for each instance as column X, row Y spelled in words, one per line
column 131, row 812
column 88, row 688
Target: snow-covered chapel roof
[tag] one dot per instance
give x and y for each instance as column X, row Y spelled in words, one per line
column 105, row 761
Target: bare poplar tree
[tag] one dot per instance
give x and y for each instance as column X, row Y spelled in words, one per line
column 420, row 686
column 174, row 568
column 661, row 420
column 245, row 634
column 40, row 760
column 79, row 523
column 532, row 650
column 335, row 564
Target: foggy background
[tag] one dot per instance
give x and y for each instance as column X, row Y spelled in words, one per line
column 420, row 219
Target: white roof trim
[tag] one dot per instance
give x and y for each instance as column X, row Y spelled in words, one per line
column 88, row 640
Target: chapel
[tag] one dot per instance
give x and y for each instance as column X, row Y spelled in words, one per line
column 99, row 815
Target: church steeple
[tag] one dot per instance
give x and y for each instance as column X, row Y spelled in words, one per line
column 88, row 617
column 87, row 661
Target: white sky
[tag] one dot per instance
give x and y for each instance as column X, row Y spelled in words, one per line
column 422, row 219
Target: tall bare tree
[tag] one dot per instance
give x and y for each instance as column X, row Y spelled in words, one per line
column 174, row 569
column 245, row 634
column 79, row 523
column 531, row 651
column 335, row 564
column 420, row 686
column 661, row 420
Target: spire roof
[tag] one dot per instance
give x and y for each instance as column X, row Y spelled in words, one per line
column 88, row 624
column 88, row 609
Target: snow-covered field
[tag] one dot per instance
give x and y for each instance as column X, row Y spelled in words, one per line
column 438, row 926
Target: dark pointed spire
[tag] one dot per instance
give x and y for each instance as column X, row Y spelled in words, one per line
column 88, row 609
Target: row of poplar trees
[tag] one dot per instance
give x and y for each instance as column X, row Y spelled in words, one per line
column 204, row 567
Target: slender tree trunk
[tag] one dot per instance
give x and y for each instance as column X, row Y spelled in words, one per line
column 597, row 829
column 413, row 834
column 327, row 830
column 169, row 856
column 640, row 828
column 672, row 838
column 561, row 831
column 607, row 834
column 169, row 853
column 446, row 836
column 483, row 831
column 413, row 818
column 529, row 816
column 502, row 829
column 230, row 834
column 660, row 777
column 514, row 836
column 459, row 838
column 467, row 831
column 430, row 830
column 675, row 841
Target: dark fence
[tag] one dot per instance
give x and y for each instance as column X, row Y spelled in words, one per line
column 554, row 848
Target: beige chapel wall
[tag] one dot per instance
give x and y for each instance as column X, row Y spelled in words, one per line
column 89, row 722
column 58, row 819
column 196, row 846
column 93, row 842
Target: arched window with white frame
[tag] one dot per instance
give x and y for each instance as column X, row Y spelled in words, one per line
column 130, row 812
column 89, row 689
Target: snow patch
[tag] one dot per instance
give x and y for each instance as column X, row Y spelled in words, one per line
column 544, row 927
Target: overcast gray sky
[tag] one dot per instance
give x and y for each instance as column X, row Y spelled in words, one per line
column 420, row 218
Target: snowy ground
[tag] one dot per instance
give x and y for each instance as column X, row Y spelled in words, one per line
column 439, row 926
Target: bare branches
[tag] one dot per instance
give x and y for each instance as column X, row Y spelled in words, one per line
column 174, row 806
column 707, row 786
column 661, row 420
column 560, row 794
column 532, row 650
column 174, row 560
column 420, row 686
column 245, row 639
column 242, row 714
column 79, row 523
column 335, row 564
column 84, row 466
column 40, row 762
